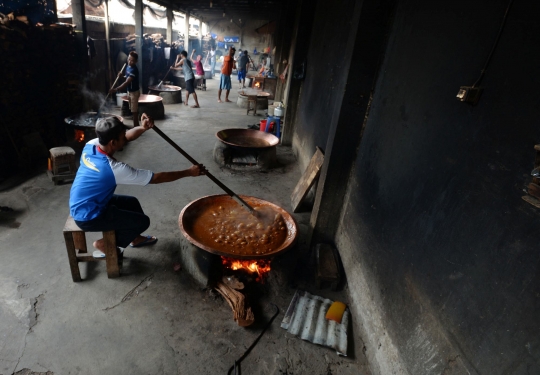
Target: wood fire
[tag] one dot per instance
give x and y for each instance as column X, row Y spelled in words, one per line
column 79, row 135
column 260, row 266
column 257, row 84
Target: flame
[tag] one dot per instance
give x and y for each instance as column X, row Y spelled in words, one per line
column 257, row 84
column 79, row 135
column 260, row 266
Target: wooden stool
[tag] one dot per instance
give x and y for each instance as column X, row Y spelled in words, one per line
column 327, row 266
column 77, row 252
column 252, row 99
column 62, row 164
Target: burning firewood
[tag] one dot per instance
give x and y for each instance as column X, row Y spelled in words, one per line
column 241, row 313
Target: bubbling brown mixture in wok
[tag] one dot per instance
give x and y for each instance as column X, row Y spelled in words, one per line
column 230, row 228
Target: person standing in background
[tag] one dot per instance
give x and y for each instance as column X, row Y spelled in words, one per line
column 199, row 70
column 189, row 77
column 132, row 84
column 243, row 64
column 226, row 70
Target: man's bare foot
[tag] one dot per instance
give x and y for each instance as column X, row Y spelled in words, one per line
column 99, row 244
column 195, row 106
column 228, row 101
column 219, row 101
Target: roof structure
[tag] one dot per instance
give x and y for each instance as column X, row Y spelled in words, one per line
column 213, row 10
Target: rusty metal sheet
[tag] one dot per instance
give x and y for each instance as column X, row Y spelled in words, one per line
column 248, row 138
column 306, row 319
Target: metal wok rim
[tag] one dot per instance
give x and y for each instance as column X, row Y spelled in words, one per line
column 172, row 88
column 143, row 97
column 270, row 138
column 292, row 227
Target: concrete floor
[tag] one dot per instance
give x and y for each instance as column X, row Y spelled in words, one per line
column 152, row 320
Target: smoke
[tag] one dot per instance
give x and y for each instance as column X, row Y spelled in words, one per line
column 94, row 99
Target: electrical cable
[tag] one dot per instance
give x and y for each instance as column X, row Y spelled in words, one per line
column 483, row 71
column 236, row 365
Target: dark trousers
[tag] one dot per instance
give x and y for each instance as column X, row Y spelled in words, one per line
column 124, row 215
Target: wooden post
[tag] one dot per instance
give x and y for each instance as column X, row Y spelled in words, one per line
column 139, row 31
column 108, row 41
column 79, row 20
column 186, row 33
column 169, row 25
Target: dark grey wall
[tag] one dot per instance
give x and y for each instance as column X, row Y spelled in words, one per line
column 325, row 75
column 441, row 253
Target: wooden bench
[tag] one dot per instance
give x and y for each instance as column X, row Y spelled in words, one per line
column 252, row 104
column 77, row 251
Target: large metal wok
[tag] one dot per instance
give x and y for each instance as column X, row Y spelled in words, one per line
column 248, row 138
column 192, row 211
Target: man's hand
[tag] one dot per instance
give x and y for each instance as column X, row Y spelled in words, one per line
column 112, row 91
column 120, row 74
column 146, row 121
column 197, row 170
column 193, row 51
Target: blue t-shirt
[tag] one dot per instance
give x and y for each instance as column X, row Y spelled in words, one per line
column 96, row 181
column 133, row 72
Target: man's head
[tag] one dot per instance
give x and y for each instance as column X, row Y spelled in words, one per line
column 232, row 51
column 212, row 48
column 199, row 57
column 245, row 52
column 184, row 53
column 111, row 133
column 133, row 58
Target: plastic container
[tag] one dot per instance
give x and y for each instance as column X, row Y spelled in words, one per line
column 263, row 126
column 273, row 125
column 278, row 111
column 119, row 100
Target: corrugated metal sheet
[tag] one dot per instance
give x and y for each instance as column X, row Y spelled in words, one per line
column 306, row 318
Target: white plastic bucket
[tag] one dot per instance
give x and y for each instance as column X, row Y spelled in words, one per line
column 119, row 100
column 278, row 111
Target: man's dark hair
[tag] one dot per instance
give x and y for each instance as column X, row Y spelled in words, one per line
column 134, row 55
column 183, row 53
column 245, row 52
column 109, row 128
column 233, row 49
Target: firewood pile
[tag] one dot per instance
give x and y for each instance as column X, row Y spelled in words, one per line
column 230, row 288
column 39, row 74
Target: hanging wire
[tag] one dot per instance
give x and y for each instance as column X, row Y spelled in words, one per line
column 483, row 71
column 236, row 366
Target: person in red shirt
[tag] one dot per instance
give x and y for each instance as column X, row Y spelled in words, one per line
column 226, row 70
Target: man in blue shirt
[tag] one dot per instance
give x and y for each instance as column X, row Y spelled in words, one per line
column 132, row 84
column 93, row 204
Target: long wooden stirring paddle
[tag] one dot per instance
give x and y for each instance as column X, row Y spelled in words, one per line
column 210, row 176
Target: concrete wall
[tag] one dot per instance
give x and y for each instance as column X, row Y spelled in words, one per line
column 250, row 39
column 439, row 249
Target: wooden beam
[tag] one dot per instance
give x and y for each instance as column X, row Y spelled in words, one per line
column 139, row 31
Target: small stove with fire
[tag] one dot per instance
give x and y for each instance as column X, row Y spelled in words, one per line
column 243, row 244
column 82, row 128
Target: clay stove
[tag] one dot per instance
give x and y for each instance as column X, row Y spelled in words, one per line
column 243, row 149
